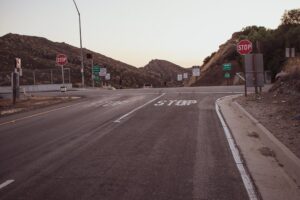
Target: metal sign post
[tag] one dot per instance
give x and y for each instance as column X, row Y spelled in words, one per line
column 254, row 74
column 95, row 74
column 14, row 87
column 227, row 68
column 244, row 47
column 89, row 56
column 93, row 81
column 62, row 60
column 16, row 80
column 62, row 74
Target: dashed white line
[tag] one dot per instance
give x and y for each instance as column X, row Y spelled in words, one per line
column 138, row 108
column 237, row 158
column 6, row 183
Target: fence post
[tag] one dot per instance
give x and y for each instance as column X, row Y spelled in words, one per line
column 33, row 77
column 51, row 75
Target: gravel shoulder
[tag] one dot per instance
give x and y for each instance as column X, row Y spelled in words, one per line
column 280, row 114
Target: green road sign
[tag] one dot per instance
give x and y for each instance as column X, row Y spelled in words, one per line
column 96, row 69
column 227, row 75
column 227, row 66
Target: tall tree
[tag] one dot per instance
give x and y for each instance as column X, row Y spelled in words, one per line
column 291, row 17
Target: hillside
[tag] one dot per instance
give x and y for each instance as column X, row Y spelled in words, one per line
column 39, row 54
column 212, row 72
column 271, row 43
column 165, row 71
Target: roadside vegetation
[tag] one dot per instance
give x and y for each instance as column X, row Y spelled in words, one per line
column 272, row 43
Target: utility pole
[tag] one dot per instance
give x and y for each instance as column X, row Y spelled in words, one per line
column 82, row 67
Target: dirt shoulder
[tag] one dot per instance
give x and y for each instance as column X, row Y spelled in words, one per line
column 279, row 113
column 31, row 103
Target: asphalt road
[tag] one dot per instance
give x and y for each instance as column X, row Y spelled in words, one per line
column 125, row 144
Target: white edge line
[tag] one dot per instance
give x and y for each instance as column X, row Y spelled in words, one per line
column 138, row 108
column 38, row 114
column 237, row 158
column 6, row 183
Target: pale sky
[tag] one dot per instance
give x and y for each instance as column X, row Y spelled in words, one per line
column 137, row 31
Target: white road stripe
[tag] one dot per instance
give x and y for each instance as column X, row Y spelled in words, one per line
column 138, row 108
column 37, row 114
column 6, row 183
column 218, row 92
column 237, row 158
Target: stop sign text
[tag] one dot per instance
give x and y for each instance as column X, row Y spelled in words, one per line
column 244, row 47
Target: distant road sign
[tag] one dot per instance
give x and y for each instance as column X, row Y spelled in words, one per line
column 196, row 71
column 227, row 67
column 227, row 75
column 179, row 77
column 18, row 63
column 96, row 69
column 107, row 77
column 185, row 75
column 102, row 72
column 244, row 47
column 61, row 59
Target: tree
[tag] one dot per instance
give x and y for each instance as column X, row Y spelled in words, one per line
column 291, row 17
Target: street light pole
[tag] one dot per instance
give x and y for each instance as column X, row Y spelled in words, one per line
column 82, row 67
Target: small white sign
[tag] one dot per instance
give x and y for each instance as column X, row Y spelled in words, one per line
column 185, row 75
column 287, row 52
column 196, row 71
column 179, row 77
column 18, row 63
column 107, row 77
column 102, row 72
column 293, row 52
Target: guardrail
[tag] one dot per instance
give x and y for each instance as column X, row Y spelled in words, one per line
column 37, row 88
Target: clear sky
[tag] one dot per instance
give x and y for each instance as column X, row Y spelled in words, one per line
column 137, row 31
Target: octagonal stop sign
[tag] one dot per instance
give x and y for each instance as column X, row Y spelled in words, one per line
column 61, row 59
column 244, row 47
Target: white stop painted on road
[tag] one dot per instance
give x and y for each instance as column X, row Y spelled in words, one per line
column 175, row 102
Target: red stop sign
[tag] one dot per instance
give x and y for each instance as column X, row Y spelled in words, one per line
column 61, row 59
column 244, row 47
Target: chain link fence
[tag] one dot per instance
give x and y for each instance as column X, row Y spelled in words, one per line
column 37, row 77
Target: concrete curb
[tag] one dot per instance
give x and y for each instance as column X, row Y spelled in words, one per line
column 290, row 162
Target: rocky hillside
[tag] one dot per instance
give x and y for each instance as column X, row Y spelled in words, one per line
column 272, row 43
column 165, row 71
column 212, row 72
column 39, row 54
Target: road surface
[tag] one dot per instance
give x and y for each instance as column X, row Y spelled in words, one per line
column 125, row 144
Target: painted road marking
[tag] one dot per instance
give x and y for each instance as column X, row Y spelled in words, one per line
column 38, row 114
column 114, row 103
column 6, row 183
column 175, row 102
column 237, row 158
column 138, row 108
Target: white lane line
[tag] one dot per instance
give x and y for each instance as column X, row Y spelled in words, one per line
column 134, row 110
column 6, row 183
column 37, row 114
column 236, row 156
column 217, row 92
